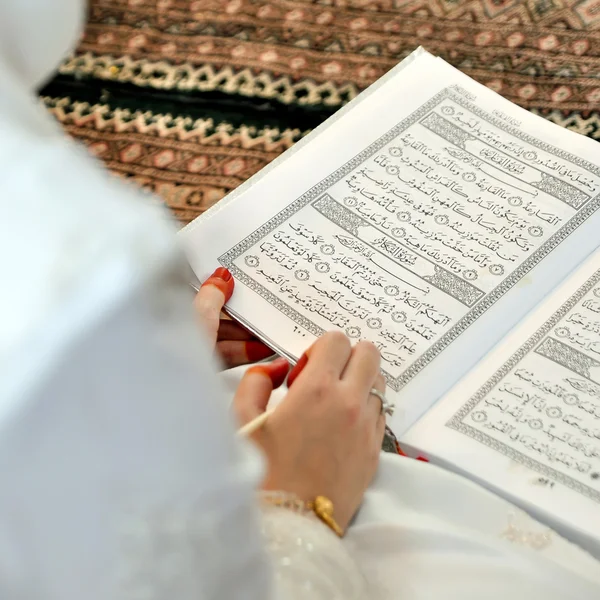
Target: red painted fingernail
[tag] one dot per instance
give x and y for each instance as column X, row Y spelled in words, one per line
column 256, row 351
column 279, row 369
column 297, row 369
column 222, row 273
column 222, row 280
column 276, row 371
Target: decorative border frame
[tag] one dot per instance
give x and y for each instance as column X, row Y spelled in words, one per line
column 442, row 279
column 456, row 422
column 452, row 93
column 568, row 357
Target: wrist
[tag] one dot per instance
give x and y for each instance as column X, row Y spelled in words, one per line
column 321, row 507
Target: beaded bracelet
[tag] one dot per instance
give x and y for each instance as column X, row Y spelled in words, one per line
column 321, row 507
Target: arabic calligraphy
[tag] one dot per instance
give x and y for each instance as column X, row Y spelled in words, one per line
column 482, row 130
column 548, row 405
column 337, row 278
column 405, row 241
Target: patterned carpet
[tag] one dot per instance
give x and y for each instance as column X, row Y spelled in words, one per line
column 191, row 97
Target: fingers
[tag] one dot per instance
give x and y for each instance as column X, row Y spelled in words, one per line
column 222, row 279
column 230, row 330
column 374, row 404
column 297, row 369
column 375, row 414
column 252, row 396
column 211, row 298
column 235, row 353
column 329, row 354
column 255, row 389
column 363, row 367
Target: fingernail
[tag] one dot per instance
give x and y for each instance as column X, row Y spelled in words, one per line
column 257, row 351
column 222, row 273
column 222, row 280
column 276, row 371
column 279, row 370
column 297, row 369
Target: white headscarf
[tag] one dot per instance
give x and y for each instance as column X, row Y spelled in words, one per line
column 109, row 401
column 35, row 35
column 54, row 199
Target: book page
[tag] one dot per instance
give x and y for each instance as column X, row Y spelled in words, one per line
column 407, row 221
column 526, row 422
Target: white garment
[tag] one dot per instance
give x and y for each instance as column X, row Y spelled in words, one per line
column 423, row 533
column 120, row 473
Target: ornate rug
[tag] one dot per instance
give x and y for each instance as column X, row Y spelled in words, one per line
column 191, row 97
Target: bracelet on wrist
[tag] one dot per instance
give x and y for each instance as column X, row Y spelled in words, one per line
column 321, row 507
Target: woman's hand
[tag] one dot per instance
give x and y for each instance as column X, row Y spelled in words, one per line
column 325, row 437
column 233, row 343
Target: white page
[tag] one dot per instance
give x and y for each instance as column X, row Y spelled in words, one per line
column 347, row 233
column 526, row 421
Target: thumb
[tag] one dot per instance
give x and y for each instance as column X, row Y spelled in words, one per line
column 213, row 294
column 254, row 391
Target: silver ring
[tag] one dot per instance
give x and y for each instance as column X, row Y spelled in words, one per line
column 387, row 408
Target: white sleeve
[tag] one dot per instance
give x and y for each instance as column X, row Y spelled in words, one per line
column 121, row 476
column 310, row 561
column 126, row 441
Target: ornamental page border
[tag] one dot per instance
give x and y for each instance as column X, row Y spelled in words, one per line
column 456, row 422
column 482, row 305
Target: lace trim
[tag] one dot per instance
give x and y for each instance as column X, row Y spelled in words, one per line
column 538, row 540
column 284, row 500
column 310, row 561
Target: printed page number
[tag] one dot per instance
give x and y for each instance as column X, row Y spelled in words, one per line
column 544, row 482
column 299, row 331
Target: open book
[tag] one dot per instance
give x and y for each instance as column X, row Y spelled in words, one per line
column 433, row 217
